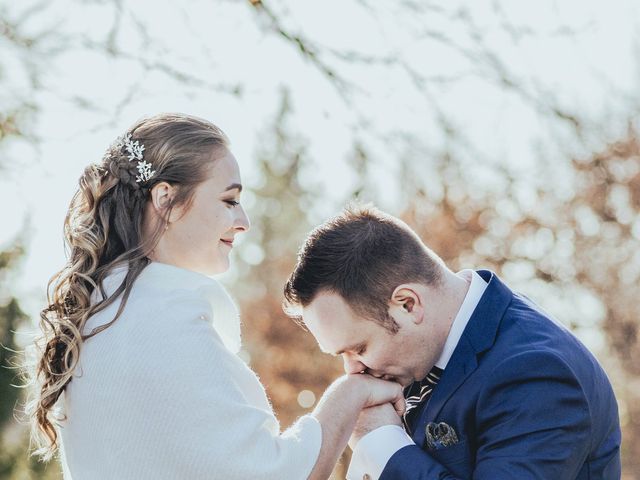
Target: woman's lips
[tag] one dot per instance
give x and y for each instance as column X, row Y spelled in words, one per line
column 227, row 242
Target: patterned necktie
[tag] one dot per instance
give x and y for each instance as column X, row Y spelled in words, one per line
column 418, row 393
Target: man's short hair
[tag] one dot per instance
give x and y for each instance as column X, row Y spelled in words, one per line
column 362, row 255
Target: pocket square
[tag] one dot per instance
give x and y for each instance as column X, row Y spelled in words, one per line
column 440, row 435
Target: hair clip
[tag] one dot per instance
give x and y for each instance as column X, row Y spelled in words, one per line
column 135, row 149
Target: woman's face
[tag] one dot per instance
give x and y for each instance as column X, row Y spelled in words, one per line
column 200, row 236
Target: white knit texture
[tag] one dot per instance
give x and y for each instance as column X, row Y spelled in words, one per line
column 160, row 395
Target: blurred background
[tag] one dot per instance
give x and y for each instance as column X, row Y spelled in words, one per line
column 505, row 133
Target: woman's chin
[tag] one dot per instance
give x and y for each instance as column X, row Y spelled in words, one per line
column 218, row 266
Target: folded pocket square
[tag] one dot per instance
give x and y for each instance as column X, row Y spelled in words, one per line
column 440, row 435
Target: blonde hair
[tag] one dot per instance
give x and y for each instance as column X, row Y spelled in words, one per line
column 103, row 228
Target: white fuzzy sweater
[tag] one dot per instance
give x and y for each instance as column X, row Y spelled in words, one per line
column 161, row 393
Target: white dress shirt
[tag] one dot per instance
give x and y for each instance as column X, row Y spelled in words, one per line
column 374, row 450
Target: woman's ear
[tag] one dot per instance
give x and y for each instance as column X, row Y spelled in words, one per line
column 406, row 303
column 162, row 195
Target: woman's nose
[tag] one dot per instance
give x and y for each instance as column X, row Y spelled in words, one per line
column 242, row 222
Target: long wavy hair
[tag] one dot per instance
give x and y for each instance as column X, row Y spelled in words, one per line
column 103, row 229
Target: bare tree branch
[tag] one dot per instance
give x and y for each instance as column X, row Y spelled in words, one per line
column 306, row 48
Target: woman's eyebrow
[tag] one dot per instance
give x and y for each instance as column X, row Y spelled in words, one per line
column 232, row 186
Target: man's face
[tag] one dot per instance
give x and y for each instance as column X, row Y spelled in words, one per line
column 366, row 346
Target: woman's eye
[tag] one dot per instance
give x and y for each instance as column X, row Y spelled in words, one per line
column 233, row 203
column 361, row 350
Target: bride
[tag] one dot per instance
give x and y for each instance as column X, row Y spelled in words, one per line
column 137, row 374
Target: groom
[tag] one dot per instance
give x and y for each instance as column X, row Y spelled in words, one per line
column 495, row 388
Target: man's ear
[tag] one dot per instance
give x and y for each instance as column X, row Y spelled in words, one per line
column 406, row 302
column 162, row 195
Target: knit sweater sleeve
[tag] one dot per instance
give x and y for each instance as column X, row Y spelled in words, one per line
column 202, row 413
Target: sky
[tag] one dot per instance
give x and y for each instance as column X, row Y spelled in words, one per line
column 87, row 97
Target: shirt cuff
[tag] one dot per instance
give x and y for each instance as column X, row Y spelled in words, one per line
column 374, row 450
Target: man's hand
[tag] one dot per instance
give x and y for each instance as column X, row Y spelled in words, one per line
column 371, row 418
column 347, row 399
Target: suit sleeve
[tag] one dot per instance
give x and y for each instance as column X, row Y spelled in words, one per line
column 532, row 421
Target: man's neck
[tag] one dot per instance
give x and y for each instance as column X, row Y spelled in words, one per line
column 474, row 291
column 457, row 286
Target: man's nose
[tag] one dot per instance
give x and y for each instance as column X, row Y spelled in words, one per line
column 351, row 365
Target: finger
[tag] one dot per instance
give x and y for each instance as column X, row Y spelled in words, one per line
column 382, row 391
column 400, row 406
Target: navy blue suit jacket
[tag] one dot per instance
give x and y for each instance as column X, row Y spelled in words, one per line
column 526, row 399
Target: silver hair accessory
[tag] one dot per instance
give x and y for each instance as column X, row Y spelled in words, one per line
column 135, row 149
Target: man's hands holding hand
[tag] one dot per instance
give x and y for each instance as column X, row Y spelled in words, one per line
column 383, row 405
column 357, row 401
column 371, row 418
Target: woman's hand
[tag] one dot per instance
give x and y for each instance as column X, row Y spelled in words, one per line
column 340, row 407
column 377, row 392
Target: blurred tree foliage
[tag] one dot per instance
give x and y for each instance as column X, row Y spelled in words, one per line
column 15, row 463
column 568, row 234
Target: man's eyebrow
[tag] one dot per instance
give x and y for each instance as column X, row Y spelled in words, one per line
column 232, row 186
column 352, row 348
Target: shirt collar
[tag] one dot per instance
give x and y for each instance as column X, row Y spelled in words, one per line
column 471, row 300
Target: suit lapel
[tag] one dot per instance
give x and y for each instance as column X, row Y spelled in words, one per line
column 461, row 365
column 478, row 336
